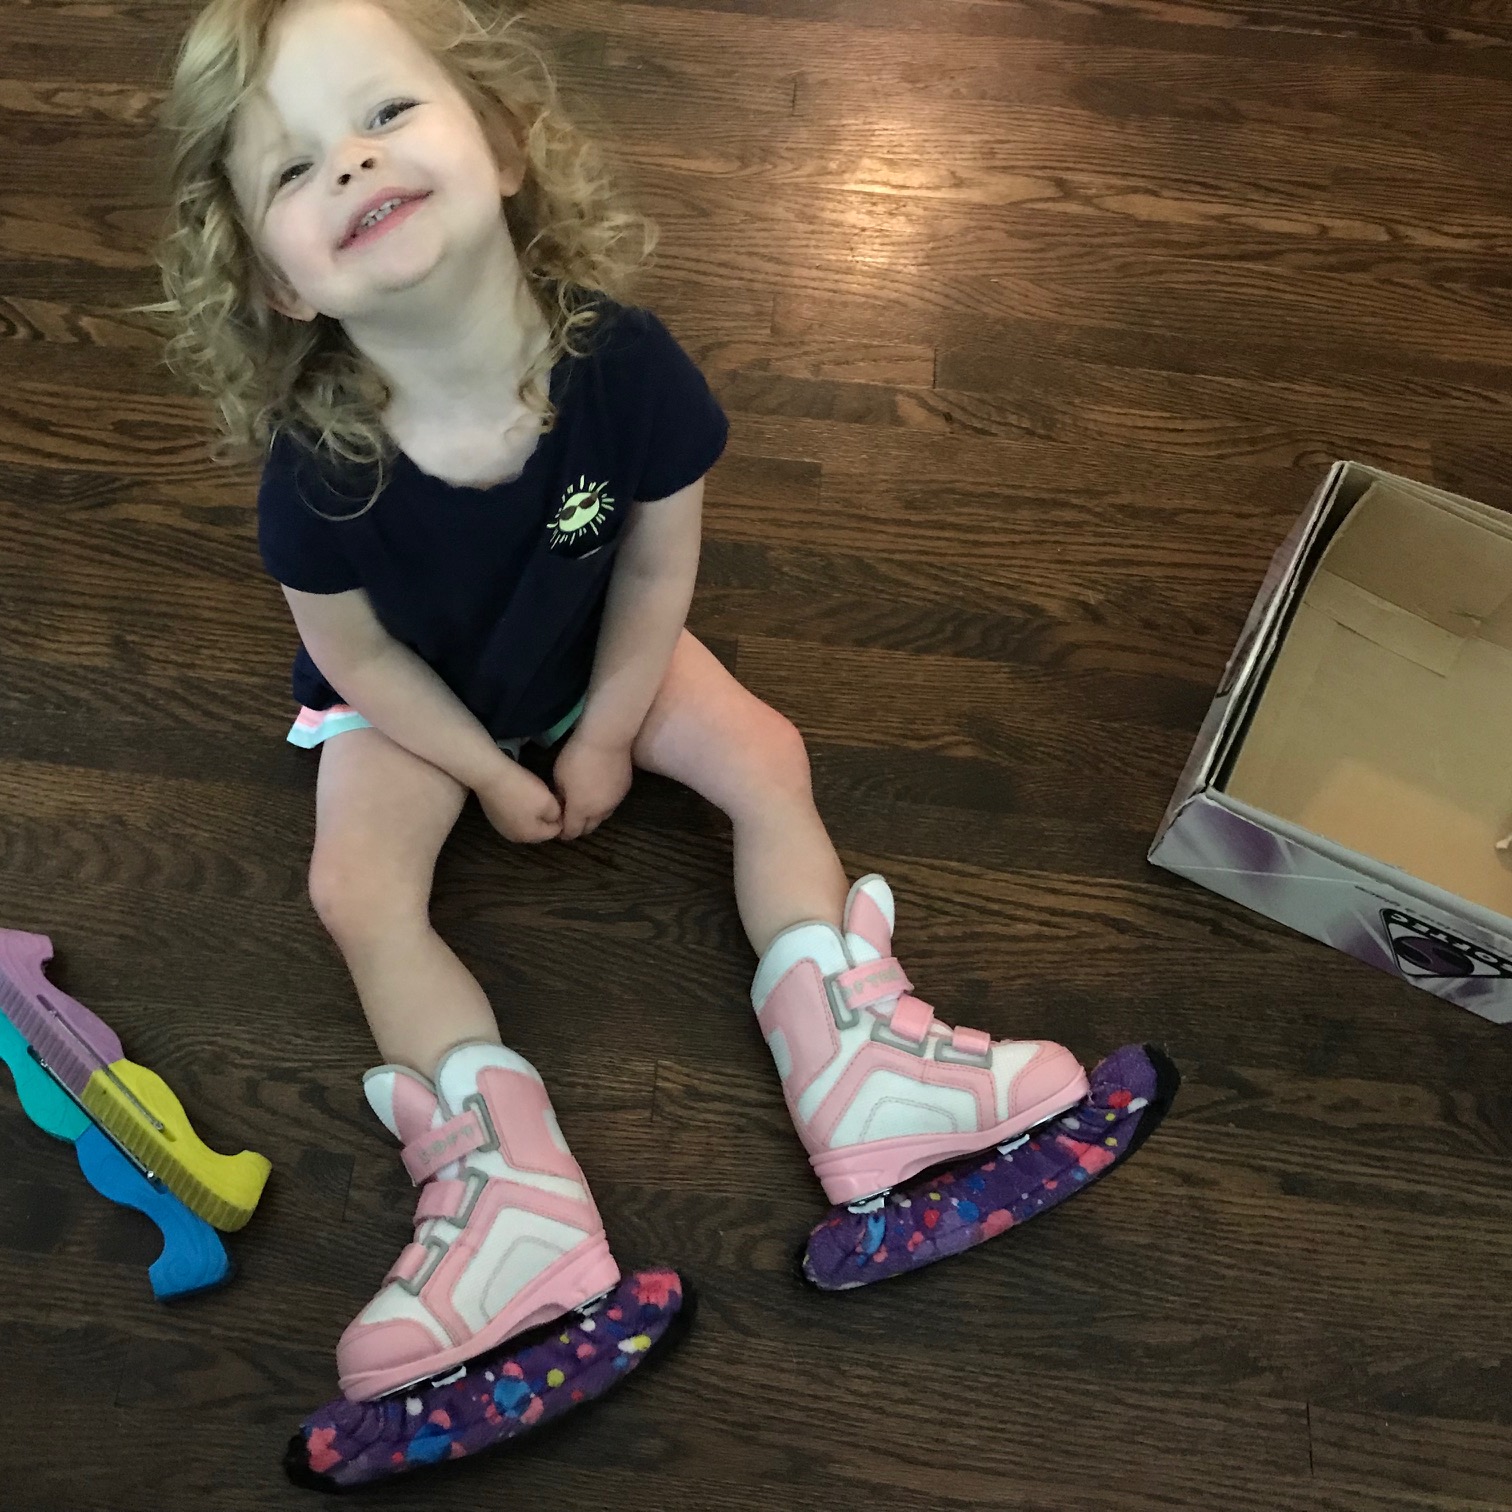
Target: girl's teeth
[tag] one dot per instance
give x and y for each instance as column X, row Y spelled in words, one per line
column 375, row 216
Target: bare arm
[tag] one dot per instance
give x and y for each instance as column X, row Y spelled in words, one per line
column 648, row 600
column 393, row 688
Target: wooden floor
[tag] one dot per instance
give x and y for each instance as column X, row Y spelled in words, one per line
column 1037, row 322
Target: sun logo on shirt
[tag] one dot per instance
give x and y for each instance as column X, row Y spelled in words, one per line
column 576, row 525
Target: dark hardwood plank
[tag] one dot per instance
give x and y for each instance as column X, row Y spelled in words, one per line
column 1037, row 324
column 1467, row 24
column 1439, row 1457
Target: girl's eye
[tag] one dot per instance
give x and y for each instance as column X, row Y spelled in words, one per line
column 395, row 105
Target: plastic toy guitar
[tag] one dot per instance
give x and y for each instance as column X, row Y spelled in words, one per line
column 134, row 1143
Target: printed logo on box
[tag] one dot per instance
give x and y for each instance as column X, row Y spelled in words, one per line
column 1428, row 950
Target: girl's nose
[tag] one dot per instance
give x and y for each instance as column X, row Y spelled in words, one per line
column 342, row 178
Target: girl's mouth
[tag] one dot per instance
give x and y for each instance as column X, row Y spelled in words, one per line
column 371, row 233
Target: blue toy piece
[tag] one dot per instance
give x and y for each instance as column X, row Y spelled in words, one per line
column 193, row 1258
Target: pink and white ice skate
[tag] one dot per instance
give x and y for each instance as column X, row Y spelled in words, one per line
column 878, row 1087
column 881, row 1091
column 507, row 1236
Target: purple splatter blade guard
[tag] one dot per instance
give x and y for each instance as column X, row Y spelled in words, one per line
column 946, row 1211
column 513, row 1392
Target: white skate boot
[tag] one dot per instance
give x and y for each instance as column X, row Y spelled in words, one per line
column 878, row 1088
column 507, row 1236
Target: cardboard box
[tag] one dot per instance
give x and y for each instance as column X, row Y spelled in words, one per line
column 1354, row 773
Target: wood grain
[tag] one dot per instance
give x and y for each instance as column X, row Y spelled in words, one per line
column 1037, row 324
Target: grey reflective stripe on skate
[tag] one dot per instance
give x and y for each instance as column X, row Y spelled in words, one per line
column 883, row 1034
column 946, row 1051
column 844, row 1015
column 438, row 1249
column 476, row 1181
column 479, row 1107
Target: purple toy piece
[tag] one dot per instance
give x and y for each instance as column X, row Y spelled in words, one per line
column 59, row 1028
column 515, row 1391
column 943, row 1212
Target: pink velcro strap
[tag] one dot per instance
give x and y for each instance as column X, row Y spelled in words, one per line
column 971, row 1041
column 911, row 1019
column 875, row 982
column 439, row 1147
column 407, row 1266
column 440, row 1199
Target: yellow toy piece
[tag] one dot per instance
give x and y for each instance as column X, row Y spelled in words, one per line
column 138, row 1109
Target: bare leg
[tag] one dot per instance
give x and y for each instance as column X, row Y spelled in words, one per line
column 504, row 1247
column 381, row 816
column 786, row 869
column 419, row 999
column 715, row 736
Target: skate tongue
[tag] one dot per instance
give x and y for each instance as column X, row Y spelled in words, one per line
column 404, row 1101
column 409, row 1108
column 869, row 916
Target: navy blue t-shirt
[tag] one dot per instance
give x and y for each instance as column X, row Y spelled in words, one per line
column 501, row 590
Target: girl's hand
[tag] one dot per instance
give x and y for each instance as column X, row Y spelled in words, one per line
column 591, row 779
column 519, row 805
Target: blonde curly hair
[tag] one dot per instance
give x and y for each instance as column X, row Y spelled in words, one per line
column 575, row 235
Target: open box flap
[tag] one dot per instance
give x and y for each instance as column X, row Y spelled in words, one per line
column 1385, row 721
column 1255, row 641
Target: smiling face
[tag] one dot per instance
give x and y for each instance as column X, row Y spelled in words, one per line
column 353, row 107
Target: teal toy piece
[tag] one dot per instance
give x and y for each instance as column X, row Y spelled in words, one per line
column 42, row 1099
column 193, row 1258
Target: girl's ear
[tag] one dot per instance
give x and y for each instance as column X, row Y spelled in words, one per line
column 506, row 135
column 279, row 296
column 295, row 309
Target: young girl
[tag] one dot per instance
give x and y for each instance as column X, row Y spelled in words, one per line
column 387, row 242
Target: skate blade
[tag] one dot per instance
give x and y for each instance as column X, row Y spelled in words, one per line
column 423, row 1383
column 863, row 1205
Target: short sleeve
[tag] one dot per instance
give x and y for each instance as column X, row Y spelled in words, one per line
column 686, row 429
column 299, row 546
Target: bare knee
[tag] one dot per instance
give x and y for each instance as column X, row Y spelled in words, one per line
column 775, row 762
column 358, row 899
